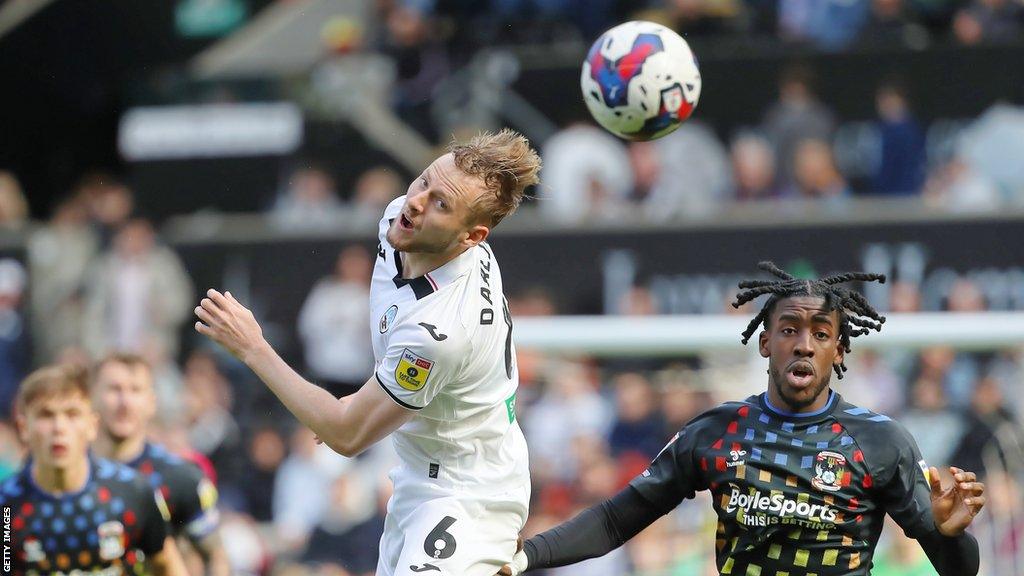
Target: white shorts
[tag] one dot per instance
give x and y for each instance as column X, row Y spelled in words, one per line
column 452, row 535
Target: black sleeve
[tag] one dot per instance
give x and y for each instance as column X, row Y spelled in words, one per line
column 153, row 518
column 952, row 556
column 594, row 532
column 195, row 506
column 904, row 491
column 674, row 474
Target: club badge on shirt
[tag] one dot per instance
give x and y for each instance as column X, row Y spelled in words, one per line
column 413, row 370
column 829, row 468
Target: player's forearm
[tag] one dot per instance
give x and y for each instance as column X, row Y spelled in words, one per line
column 952, row 556
column 594, row 532
column 215, row 558
column 168, row 562
column 312, row 405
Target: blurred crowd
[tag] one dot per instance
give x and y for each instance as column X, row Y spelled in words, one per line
column 96, row 278
column 801, row 150
column 826, row 24
column 101, row 280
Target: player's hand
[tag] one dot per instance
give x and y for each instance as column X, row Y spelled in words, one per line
column 229, row 324
column 954, row 507
column 518, row 564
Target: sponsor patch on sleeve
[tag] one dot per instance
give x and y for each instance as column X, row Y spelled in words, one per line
column 924, row 468
column 413, row 370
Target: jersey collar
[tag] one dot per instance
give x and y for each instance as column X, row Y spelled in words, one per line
column 766, row 405
column 437, row 278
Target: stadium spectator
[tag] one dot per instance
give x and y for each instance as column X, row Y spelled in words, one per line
column 988, row 21
column 333, row 321
column 936, row 427
column 13, row 206
column 569, row 407
column 694, row 178
column 874, row 385
column 266, row 452
column 902, row 163
column 308, row 202
column 956, row 187
column 15, row 356
column 753, row 167
column 889, row 25
column 212, row 428
column 302, row 488
column 351, row 527
column 137, row 296
column 374, row 190
column 828, row 24
column 412, row 39
column 58, row 256
column 109, row 201
column 993, row 147
column 797, row 115
column 586, row 176
column 816, row 176
column 638, row 426
column 992, row 434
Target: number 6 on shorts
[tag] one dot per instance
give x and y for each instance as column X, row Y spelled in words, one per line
column 439, row 544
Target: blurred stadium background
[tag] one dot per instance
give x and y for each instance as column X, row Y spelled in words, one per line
column 149, row 150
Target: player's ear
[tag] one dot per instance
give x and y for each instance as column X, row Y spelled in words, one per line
column 21, row 425
column 476, row 235
column 840, row 355
column 762, row 344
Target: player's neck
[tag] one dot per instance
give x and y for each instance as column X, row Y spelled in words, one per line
column 125, row 450
column 56, row 480
column 779, row 404
column 416, row 264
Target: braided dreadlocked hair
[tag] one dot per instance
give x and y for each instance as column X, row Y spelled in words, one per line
column 856, row 316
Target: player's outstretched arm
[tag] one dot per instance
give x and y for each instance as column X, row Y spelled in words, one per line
column 348, row 427
column 168, row 562
column 951, row 550
column 594, row 532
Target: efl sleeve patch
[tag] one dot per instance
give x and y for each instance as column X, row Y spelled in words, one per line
column 413, row 370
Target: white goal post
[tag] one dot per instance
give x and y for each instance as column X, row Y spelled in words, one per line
column 666, row 335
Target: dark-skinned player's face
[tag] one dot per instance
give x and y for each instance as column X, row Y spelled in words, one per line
column 801, row 342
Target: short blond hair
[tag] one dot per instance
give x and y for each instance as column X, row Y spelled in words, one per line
column 506, row 163
column 51, row 381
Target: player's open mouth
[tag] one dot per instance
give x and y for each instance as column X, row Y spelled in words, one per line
column 404, row 222
column 58, row 449
column 800, row 374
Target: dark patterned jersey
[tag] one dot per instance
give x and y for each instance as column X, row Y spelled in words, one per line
column 795, row 494
column 190, row 496
column 108, row 527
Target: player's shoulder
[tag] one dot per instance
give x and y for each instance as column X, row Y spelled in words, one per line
column 12, row 488
column 118, row 476
column 714, row 422
column 172, row 466
column 433, row 329
column 871, row 430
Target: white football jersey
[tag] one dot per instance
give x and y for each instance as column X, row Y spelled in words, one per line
column 443, row 347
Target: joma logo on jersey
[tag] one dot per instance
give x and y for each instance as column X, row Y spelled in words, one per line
column 829, row 469
column 413, row 370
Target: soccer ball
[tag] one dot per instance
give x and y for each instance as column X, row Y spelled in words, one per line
column 640, row 80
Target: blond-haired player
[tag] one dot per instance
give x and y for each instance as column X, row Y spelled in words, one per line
column 445, row 378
